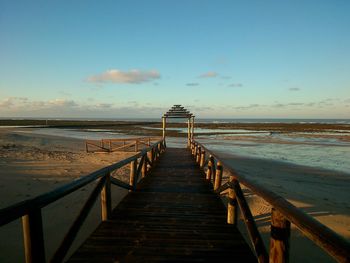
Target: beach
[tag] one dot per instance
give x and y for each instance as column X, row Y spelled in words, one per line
column 34, row 164
column 34, row 161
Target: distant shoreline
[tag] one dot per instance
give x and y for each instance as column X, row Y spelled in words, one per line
column 198, row 120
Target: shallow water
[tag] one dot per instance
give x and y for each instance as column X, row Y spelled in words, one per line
column 328, row 152
column 333, row 156
column 89, row 134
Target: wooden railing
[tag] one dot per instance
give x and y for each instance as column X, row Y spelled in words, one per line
column 113, row 145
column 282, row 215
column 30, row 210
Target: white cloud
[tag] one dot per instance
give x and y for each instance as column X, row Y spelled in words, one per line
column 132, row 77
column 192, row 84
column 209, row 74
column 235, row 85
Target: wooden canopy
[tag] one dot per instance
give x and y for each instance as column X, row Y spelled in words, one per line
column 178, row 111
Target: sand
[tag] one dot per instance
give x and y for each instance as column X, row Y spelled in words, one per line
column 323, row 194
column 34, row 164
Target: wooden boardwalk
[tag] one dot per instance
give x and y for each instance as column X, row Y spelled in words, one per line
column 172, row 217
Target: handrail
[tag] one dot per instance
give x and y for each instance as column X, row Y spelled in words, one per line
column 107, row 145
column 327, row 239
column 30, row 209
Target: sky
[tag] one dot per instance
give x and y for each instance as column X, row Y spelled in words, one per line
column 135, row 59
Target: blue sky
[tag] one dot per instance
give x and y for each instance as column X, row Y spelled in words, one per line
column 225, row 59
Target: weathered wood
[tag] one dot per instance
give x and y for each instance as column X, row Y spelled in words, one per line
column 33, row 237
column 202, row 160
column 144, row 167
column 209, row 173
column 133, row 168
column 188, row 134
column 253, row 232
column 74, row 229
column 232, row 211
column 192, row 134
column 150, row 157
column 198, row 155
column 218, row 175
column 280, row 235
column 139, row 169
column 164, row 127
column 172, row 217
column 136, row 146
column 120, row 183
column 106, row 201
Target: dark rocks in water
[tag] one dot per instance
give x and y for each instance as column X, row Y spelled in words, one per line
column 9, row 146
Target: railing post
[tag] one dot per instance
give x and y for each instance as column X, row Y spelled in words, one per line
column 133, row 168
column 210, row 167
column 136, row 146
column 279, row 241
column 106, row 202
column 218, row 175
column 150, row 157
column 33, row 236
column 232, row 211
column 198, row 155
column 144, row 167
column 202, row 162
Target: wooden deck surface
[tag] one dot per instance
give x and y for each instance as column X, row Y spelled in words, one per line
column 172, row 217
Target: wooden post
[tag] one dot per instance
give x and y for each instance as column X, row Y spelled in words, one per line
column 210, row 167
column 133, row 168
column 198, row 154
column 188, row 133
column 280, row 234
column 136, row 146
column 232, row 211
column 144, row 168
column 33, row 236
column 218, row 176
column 202, row 161
column 164, row 128
column 110, row 145
column 106, row 203
column 150, row 157
column 192, row 135
column 86, row 147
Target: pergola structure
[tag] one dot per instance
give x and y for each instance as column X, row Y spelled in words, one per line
column 178, row 111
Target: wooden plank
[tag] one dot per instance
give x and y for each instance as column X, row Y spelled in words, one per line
column 173, row 216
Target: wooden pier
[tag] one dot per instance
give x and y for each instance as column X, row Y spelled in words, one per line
column 173, row 216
